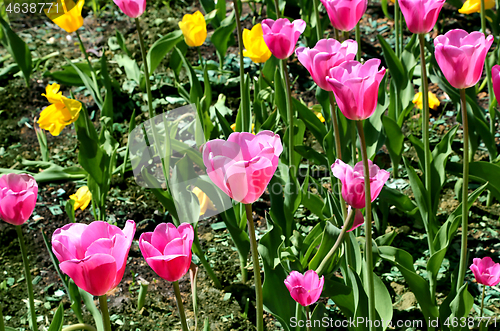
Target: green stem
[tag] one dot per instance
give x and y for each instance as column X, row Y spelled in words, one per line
column 2, row 326
column 338, row 242
column 482, row 302
column 368, row 227
column 298, row 315
column 92, row 71
column 289, row 108
column 427, row 154
column 358, row 41
column 465, row 192
column 319, row 33
column 146, row 69
column 27, row 274
column 256, row 269
column 308, row 317
column 396, row 28
column 337, row 34
column 353, row 143
column 80, row 326
column 277, row 8
column 246, row 127
column 201, row 255
column 103, row 303
column 243, row 269
column 180, row 306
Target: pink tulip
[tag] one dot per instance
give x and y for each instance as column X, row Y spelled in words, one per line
column 355, row 86
column 305, row 289
column 353, row 181
column 327, row 54
column 131, row 8
column 243, row 165
column 358, row 218
column 167, row 250
column 461, row 56
column 486, row 271
column 18, row 195
column 421, row 15
column 345, row 14
column 495, row 72
column 281, row 36
column 93, row 255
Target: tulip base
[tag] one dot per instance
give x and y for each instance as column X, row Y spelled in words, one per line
column 180, row 306
column 256, row 270
column 103, row 303
column 27, row 274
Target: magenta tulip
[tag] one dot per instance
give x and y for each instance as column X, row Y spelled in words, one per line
column 461, row 56
column 355, row 86
column 305, row 289
column 327, row 54
column 131, row 8
column 421, row 15
column 345, row 14
column 353, row 182
column 486, row 271
column 243, row 165
column 93, row 255
column 495, row 72
column 18, row 194
column 167, row 250
column 281, row 36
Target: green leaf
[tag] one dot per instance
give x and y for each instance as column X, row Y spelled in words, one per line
column 69, row 76
column 317, row 317
column 222, row 36
column 196, row 92
column 311, row 121
column 70, row 210
column 121, row 42
column 330, row 235
column 341, row 294
column 161, row 47
column 18, row 49
column 58, row 320
column 310, row 154
column 482, row 172
column 89, row 84
column 395, row 139
column 88, row 300
column 280, row 95
column 383, row 301
column 461, row 305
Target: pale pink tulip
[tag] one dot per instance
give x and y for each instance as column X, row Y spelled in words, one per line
column 495, row 73
column 353, row 181
column 167, row 250
column 461, row 56
column 281, row 36
column 305, row 289
column 93, row 255
column 18, row 194
column 327, row 54
column 243, row 165
column 421, row 15
column 355, row 86
column 131, row 8
column 486, row 271
column 345, row 14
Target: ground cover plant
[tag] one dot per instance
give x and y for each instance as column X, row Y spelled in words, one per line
column 278, row 165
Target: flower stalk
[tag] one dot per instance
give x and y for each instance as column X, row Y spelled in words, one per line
column 180, row 306
column 289, row 108
column 92, row 71
column 103, row 303
column 256, row 269
column 27, row 274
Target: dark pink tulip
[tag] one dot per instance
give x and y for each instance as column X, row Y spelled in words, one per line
column 355, row 86
column 327, row 54
column 243, row 165
column 131, row 8
column 345, row 14
column 167, row 250
column 495, row 72
column 358, row 219
column 486, row 271
column 281, row 36
column 18, row 195
column 353, row 182
column 305, row 289
column 93, row 255
column 461, row 56
column 421, row 15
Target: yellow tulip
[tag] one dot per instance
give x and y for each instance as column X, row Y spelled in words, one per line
column 194, row 29
column 82, row 197
column 61, row 112
column 255, row 46
column 433, row 101
column 66, row 14
column 205, row 202
column 474, row 6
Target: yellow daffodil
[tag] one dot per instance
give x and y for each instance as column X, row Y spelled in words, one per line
column 194, row 29
column 255, row 46
column 61, row 112
column 233, row 127
column 474, row 6
column 433, row 101
column 66, row 14
column 82, row 197
column 205, row 202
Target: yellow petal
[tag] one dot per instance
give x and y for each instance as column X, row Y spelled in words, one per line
column 321, row 118
column 52, row 93
column 233, row 126
column 205, row 202
column 194, row 29
column 419, row 102
column 474, row 6
column 82, row 197
column 255, row 46
column 66, row 14
column 56, row 116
